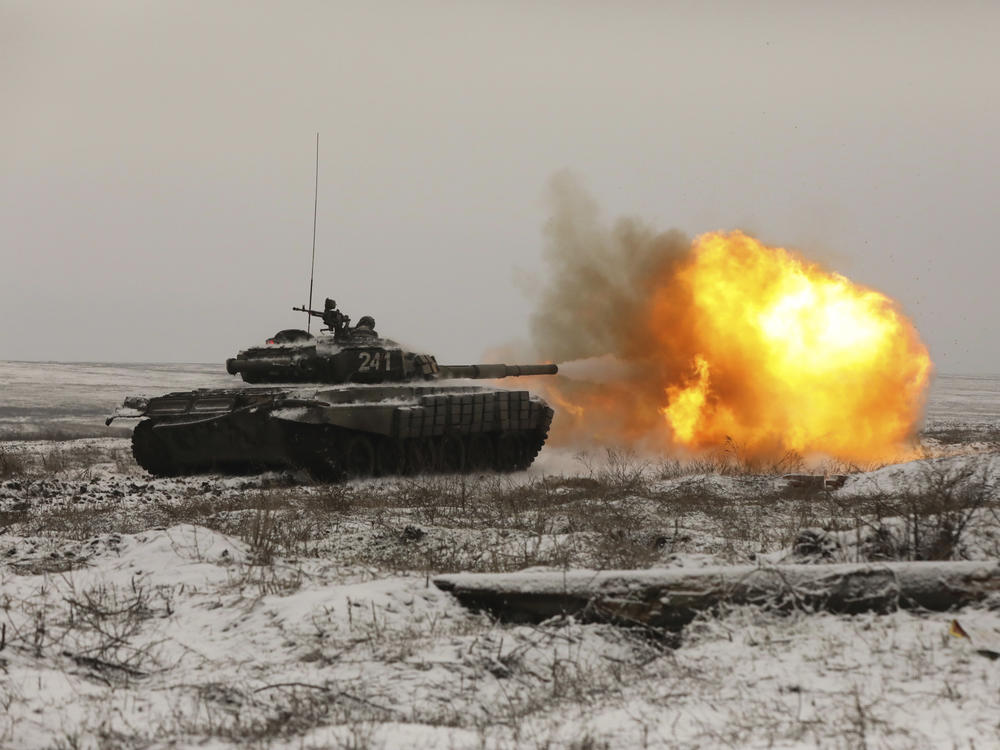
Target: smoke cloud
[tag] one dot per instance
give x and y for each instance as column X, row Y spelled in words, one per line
column 591, row 317
column 599, row 278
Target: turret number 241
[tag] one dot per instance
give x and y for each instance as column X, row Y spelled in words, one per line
column 375, row 362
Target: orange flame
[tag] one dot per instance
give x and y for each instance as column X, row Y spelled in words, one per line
column 737, row 341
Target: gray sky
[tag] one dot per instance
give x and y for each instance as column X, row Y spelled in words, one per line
column 156, row 159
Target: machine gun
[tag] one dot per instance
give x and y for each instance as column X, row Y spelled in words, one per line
column 332, row 318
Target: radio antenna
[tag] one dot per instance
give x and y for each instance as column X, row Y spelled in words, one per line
column 312, row 267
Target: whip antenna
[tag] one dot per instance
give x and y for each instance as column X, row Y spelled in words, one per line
column 312, row 267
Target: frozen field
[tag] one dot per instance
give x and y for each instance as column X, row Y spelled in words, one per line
column 964, row 400
column 57, row 399
column 272, row 611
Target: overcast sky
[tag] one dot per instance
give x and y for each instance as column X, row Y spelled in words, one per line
column 156, row 159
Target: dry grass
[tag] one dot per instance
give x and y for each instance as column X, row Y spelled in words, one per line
column 75, row 458
column 621, row 513
column 964, row 435
column 63, row 432
column 96, row 628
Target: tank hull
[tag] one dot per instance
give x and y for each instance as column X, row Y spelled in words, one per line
column 338, row 432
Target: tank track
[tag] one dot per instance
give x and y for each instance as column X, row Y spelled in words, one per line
column 165, row 448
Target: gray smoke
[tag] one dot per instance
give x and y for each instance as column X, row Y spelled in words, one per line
column 594, row 299
column 605, row 369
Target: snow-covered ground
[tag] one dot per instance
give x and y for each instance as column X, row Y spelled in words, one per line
column 172, row 637
column 271, row 611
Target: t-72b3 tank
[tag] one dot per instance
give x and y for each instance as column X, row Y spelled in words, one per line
column 344, row 403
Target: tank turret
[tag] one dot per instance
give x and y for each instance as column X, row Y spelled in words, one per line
column 353, row 355
column 366, row 406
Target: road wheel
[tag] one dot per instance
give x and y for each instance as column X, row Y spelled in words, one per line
column 318, row 450
column 419, row 456
column 390, row 457
column 359, row 457
column 532, row 445
column 151, row 452
column 451, row 454
column 479, row 453
column 510, row 452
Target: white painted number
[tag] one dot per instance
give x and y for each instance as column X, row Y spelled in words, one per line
column 373, row 362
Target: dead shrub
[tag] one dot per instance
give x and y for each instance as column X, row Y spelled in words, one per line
column 620, row 473
column 100, row 630
column 930, row 519
column 624, row 473
column 940, row 508
column 279, row 526
column 11, row 464
column 334, row 498
column 733, row 459
column 268, row 580
column 261, row 535
column 111, row 618
column 55, row 461
column 79, row 523
column 70, row 457
column 124, row 461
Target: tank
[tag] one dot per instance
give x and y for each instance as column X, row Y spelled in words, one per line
column 341, row 404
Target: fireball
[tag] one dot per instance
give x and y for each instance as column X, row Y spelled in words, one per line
column 785, row 356
column 732, row 342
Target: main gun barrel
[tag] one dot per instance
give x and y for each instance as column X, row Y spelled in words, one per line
column 493, row 372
